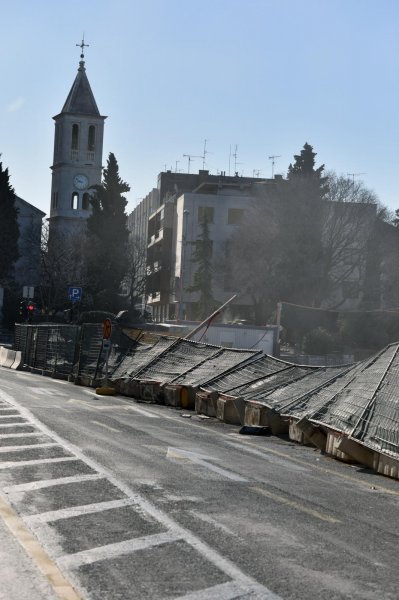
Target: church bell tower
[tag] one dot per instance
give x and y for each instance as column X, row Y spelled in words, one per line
column 77, row 162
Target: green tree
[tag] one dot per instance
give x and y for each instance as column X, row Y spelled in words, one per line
column 9, row 229
column 202, row 258
column 106, row 258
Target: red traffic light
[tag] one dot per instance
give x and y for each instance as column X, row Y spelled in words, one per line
column 31, row 307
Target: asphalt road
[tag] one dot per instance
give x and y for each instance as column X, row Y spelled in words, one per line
column 138, row 501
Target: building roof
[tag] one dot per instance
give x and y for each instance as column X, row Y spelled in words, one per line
column 33, row 209
column 80, row 99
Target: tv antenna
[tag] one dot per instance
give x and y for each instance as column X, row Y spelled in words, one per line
column 353, row 175
column 204, row 154
column 273, row 159
column 235, row 154
column 190, row 158
column 256, row 172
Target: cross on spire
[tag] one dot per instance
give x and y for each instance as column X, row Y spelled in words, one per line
column 83, row 46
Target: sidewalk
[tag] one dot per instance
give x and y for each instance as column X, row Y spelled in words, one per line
column 20, row 577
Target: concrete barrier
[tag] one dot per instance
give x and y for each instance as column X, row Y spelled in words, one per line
column 333, row 448
column 150, row 390
column 11, row 359
column 259, row 415
column 179, row 396
column 360, row 453
column 128, row 387
column 206, row 403
column 313, row 433
column 296, row 434
column 230, row 409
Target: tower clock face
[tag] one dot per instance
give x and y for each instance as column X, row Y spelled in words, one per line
column 81, row 182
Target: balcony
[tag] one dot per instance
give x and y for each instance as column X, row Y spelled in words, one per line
column 74, row 154
column 90, row 156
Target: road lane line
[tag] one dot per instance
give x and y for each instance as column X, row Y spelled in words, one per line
column 109, row 551
column 45, row 483
column 8, row 425
column 324, row 470
column 77, row 511
column 61, row 586
column 42, row 461
column 106, row 426
column 27, row 447
column 229, row 591
column 204, row 549
column 4, row 436
column 199, row 459
column 296, row 505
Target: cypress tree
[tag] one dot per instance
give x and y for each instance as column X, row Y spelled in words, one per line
column 106, row 260
column 9, row 229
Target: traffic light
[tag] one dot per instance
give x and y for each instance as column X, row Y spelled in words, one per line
column 23, row 311
column 30, row 308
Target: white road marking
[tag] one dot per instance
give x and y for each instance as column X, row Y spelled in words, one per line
column 115, row 407
column 24, row 424
column 229, row 591
column 109, row 551
column 76, row 511
column 213, row 522
column 270, row 458
column 45, row 483
column 27, row 447
column 206, row 551
column 14, row 416
column 201, row 460
column 42, row 461
column 45, row 392
column 21, row 435
column 106, row 426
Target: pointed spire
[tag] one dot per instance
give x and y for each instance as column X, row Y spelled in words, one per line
column 80, row 99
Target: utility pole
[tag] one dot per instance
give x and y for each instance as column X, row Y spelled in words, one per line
column 273, row 159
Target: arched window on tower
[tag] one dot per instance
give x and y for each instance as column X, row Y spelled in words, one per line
column 75, row 201
column 75, row 140
column 86, row 201
column 91, row 140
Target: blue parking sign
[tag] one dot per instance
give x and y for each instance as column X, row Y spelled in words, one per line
column 74, row 294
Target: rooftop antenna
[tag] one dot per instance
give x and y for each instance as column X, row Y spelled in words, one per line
column 353, row 175
column 235, row 154
column 190, row 158
column 204, row 154
column 176, row 169
column 256, row 172
column 273, row 159
column 82, row 45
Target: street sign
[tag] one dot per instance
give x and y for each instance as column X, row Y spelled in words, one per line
column 28, row 291
column 75, row 294
column 107, row 329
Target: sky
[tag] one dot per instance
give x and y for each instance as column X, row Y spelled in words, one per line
column 265, row 75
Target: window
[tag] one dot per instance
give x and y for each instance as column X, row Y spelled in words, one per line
column 86, row 201
column 205, row 213
column 75, row 137
column 91, row 140
column 235, row 216
column 55, row 199
column 75, row 201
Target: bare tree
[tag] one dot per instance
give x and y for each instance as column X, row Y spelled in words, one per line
column 61, row 266
column 295, row 247
column 134, row 282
